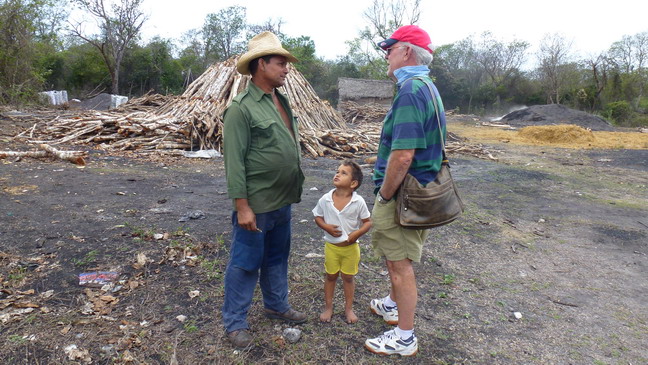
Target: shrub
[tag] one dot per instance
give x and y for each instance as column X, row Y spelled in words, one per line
column 620, row 112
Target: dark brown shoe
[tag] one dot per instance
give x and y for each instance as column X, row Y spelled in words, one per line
column 240, row 338
column 291, row 316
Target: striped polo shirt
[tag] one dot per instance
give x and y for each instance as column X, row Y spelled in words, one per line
column 411, row 123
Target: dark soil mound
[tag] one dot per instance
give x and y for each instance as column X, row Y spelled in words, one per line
column 554, row 114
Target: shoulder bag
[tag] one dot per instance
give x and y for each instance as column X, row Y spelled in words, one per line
column 433, row 205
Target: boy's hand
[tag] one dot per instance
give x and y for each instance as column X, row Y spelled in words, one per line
column 353, row 237
column 333, row 230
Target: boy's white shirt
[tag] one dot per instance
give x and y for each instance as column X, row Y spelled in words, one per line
column 349, row 219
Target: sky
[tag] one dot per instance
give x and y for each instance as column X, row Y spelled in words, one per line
column 592, row 26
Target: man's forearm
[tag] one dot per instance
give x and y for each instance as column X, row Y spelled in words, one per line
column 397, row 167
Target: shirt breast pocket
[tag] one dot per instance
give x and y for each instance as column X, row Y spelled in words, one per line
column 263, row 133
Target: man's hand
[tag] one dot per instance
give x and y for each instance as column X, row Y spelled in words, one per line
column 245, row 215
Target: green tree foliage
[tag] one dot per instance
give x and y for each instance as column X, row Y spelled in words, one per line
column 27, row 38
column 479, row 74
column 152, row 68
column 619, row 111
column 303, row 48
column 342, row 67
column 84, row 71
column 223, row 33
column 191, row 57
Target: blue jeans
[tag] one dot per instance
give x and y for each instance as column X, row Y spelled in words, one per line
column 257, row 256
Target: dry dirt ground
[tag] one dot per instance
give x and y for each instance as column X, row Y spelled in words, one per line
column 548, row 265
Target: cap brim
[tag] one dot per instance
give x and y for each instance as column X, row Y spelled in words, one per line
column 387, row 43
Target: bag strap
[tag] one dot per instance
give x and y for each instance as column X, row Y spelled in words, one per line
column 436, row 110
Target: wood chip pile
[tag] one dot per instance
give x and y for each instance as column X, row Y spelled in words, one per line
column 194, row 120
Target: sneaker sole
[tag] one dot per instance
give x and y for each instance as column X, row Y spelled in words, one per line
column 371, row 349
column 392, row 322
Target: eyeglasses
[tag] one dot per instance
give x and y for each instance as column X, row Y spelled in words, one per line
column 389, row 50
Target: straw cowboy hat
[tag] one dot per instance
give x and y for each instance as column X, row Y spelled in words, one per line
column 261, row 45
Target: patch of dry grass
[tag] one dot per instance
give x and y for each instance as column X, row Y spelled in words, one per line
column 565, row 136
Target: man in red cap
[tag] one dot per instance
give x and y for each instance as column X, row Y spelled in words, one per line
column 411, row 143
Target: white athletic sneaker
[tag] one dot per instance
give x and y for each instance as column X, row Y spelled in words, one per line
column 390, row 343
column 389, row 314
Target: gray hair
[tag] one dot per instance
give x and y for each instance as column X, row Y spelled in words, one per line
column 422, row 55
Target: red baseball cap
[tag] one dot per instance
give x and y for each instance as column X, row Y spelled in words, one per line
column 410, row 34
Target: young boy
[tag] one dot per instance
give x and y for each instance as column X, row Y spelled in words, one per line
column 344, row 216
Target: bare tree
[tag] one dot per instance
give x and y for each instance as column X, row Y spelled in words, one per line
column 553, row 58
column 385, row 17
column 119, row 25
column 629, row 56
column 270, row 25
column 500, row 60
column 461, row 61
column 598, row 66
column 622, row 54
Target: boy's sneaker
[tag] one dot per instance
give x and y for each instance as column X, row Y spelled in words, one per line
column 390, row 343
column 389, row 314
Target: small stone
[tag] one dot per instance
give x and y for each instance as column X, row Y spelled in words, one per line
column 517, row 315
column 292, row 335
column 181, row 318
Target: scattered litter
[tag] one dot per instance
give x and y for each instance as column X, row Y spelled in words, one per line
column 4, row 318
column 304, row 221
column 108, row 349
column 74, row 353
column 181, row 318
column 201, row 154
column 384, row 273
column 97, row 279
column 142, row 260
column 313, row 255
column 314, row 189
column 160, row 210
column 47, row 294
column 196, row 214
column 194, row 293
column 292, row 335
column 158, row 236
column 517, row 315
column 280, row 341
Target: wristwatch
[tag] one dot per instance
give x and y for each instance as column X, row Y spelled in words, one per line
column 382, row 200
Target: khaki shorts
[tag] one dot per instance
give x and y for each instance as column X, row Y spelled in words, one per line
column 341, row 259
column 392, row 241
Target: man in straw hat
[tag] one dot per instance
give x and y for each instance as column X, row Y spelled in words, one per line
column 264, row 177
column 410, row 143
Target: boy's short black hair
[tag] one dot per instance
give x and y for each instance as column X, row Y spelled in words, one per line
column 356, row 171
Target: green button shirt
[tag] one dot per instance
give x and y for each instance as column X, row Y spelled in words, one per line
column 262, row 159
